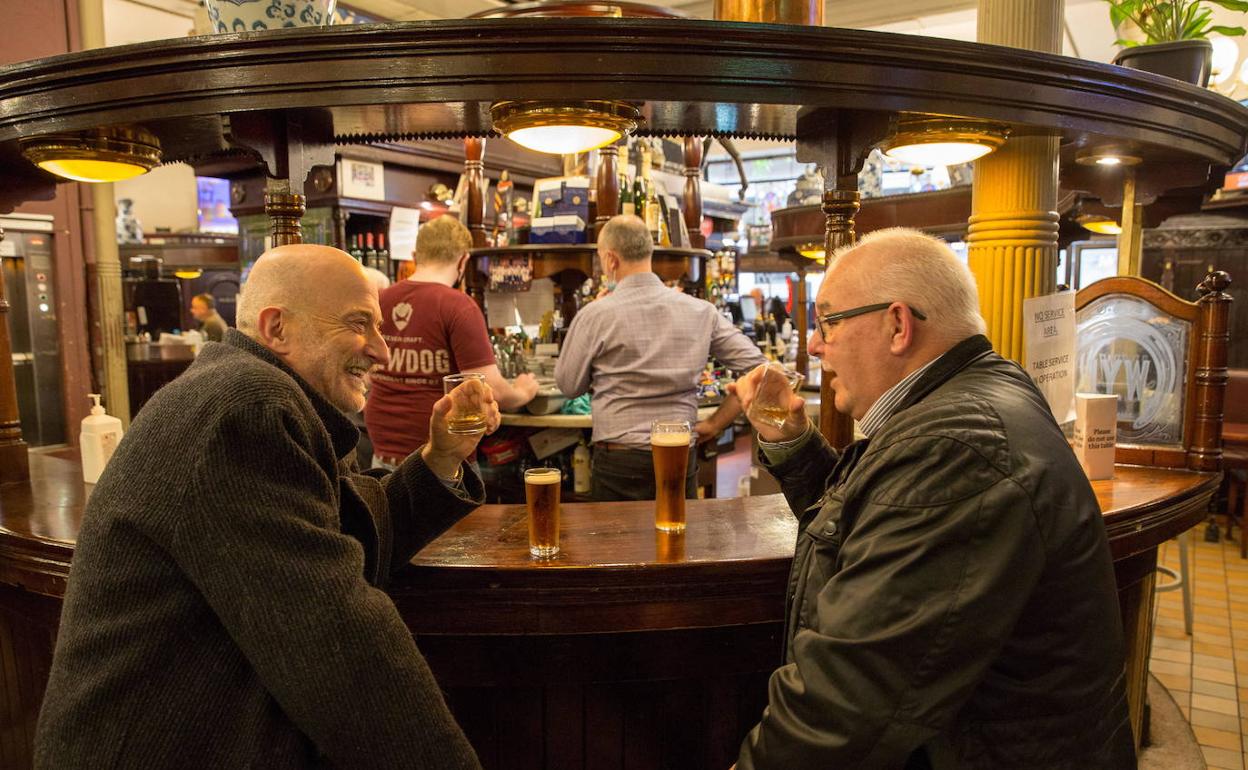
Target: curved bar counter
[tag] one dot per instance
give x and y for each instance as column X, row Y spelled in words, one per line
column 631, row 649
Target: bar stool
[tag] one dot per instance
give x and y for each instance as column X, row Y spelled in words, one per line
column 1180, row 580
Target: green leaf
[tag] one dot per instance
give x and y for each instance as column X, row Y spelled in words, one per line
column 1232, row 5
column 1228, row 31
column 1126, row 43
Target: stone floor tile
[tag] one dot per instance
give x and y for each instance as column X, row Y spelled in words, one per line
column 1220, row 705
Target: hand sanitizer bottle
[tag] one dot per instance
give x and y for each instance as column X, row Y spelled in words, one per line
column 99, row 438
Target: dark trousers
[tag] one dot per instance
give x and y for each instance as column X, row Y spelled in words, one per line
column 628, row 474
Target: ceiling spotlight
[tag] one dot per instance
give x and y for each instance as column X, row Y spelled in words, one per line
column 563, row 128
column 99, row 155
column 1106, row 156
column 1101, row 225
column 932, row 140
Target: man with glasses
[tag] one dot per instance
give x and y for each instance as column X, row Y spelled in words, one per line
column 952, row 599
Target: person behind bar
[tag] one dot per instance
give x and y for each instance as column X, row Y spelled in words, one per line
column 433, row 330
column 641, row 350
column 225, row 607
column 204, row 309
column 952, row 599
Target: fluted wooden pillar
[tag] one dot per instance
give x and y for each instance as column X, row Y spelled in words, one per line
column 1012, row 236
column 13, row 459
column 473, row 215
column 840, row 206
column 693, row 192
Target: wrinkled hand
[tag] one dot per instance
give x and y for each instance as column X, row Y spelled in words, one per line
column 526, row 383
column 445, row 450
column 746, row 388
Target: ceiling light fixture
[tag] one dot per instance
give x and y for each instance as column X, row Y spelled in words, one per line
column 563, row 128
column 99, row 155
column 813, row 251
column 1098, row 224
column 1106, row 156
column 933, row 140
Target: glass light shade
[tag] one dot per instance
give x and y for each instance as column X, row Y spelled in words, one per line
column 938, row 153
column 813, row 251
column 92, row 170
column 1100, row 225
column 1222, row 63
column 563, row 128
column 108, row 154
column 563, row 140
column 188, row 274
column 1109, row 160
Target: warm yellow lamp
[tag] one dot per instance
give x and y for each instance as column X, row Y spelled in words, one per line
column 930, row 140
column 100, row 155
column 1107, row 156
column 813, row 251
column 188, row 273
column 1098, row 224
column 563, row 128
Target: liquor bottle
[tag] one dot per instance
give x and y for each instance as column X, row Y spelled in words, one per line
column 355, row 250
column 370, row 253
column 383, row 256
column 626, row 192
column 653, row 214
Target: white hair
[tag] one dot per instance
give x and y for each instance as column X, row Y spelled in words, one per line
column 908, row 266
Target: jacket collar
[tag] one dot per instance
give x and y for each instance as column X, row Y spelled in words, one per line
column 954, row 360
column 343, row 434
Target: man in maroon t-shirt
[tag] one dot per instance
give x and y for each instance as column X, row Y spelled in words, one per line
column 433, row 330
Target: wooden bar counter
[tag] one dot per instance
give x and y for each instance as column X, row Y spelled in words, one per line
column 631, row 649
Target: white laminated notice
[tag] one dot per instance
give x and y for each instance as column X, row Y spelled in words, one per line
column 1049, row 350
column 1096, row 432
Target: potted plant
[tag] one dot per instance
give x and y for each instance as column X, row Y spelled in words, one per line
column 1175, row 35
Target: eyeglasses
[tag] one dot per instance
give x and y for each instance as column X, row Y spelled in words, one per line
column 826, row 322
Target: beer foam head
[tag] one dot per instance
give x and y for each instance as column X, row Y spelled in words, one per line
column 670, row 439
column 543, row 476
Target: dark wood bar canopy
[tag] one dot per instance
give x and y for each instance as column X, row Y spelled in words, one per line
column 629, row 650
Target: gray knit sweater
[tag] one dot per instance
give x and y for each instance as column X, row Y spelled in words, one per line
column 224, row 608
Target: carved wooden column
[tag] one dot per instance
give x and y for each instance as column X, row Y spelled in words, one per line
column 1012, row 236
column 606, row 189
column 473, row 215
column 285, row 209
column 693, row 191
column 1211, row 376
column 14, row 465
column 840, row 206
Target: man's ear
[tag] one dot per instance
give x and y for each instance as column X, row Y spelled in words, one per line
column 902, row 326
column 274, row 330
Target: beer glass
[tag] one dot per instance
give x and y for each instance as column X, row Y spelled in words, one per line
column 541, row 497
column 771, row 401
column 465, row 419
column 669, row 445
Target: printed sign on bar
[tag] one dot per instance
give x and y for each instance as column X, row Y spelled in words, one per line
column 404, row 225
column 1049, row 350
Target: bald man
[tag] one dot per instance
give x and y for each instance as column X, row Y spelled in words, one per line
column 225, row 606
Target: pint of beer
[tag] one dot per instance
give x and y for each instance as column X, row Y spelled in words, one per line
column 669, row 445
column 467, row 417
column 541, row 495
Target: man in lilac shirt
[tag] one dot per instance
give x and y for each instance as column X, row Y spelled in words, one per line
column 641, row 350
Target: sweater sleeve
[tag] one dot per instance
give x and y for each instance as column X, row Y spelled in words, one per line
column 260, row 541
column 422, row 506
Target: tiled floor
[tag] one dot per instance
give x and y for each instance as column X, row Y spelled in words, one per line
column 1207, row 672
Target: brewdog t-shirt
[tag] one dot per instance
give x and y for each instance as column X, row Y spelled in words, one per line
column 432, row 330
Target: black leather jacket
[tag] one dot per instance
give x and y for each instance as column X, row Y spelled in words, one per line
column 952, row 600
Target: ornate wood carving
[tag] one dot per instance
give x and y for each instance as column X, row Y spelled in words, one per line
column 285, row 210
column 607, row 189
column 693, row 191
column 1205, row 452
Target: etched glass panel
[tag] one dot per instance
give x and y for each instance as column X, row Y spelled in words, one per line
column 1129, row 347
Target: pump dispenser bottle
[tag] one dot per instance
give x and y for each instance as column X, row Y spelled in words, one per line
column 99, row 438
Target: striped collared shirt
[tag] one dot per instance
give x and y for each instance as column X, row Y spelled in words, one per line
column 886, row 405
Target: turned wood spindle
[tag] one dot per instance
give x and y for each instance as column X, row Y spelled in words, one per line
column 1211, row 375
column 607, row 189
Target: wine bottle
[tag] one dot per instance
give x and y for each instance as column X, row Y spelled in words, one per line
column 383, row 256
column 370, row 253
column 354, row 249
column 653, row 214
column 627, row 205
